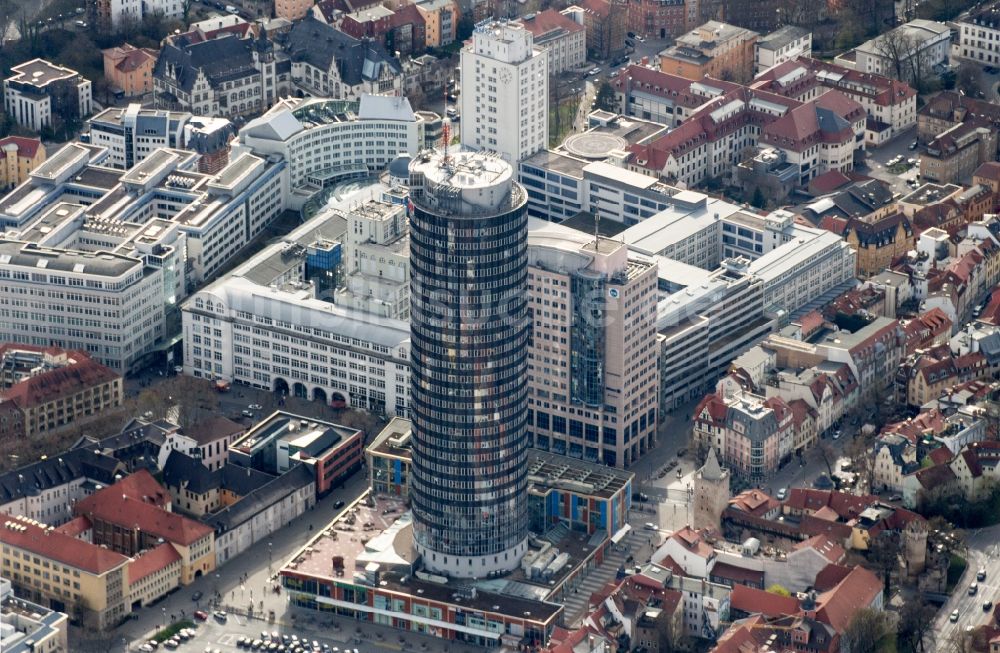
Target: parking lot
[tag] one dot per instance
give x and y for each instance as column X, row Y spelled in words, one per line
column 895, row 163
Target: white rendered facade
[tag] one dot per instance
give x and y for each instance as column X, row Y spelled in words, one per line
column 109, row 305
column 322, row 140
column 134, row 11
column 979, row 35
column 918, row 46
column 377, row 261
column 39, row 90
column 285, row 339
column 505, row 91
column 783, row 44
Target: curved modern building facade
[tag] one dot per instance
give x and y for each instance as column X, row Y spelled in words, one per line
column 469, row 348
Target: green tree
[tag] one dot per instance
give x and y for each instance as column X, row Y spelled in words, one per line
column 779, row 590
column 758, row 198
column 865, row 632
column 605, row 100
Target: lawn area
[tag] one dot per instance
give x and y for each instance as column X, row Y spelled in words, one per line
column 173, row 629
column 562, row 117
column 956, row 567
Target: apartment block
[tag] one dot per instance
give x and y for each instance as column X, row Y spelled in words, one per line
column 83, row 580
column 52, row 388
column 18, row 157
column 39, row 91
column 563, row 38
column 979, row 34
column 129, row 70
column 607, row 24
column 911, row 52
column 783, row 44
column 713, row 49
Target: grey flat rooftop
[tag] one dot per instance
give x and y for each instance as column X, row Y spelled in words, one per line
column 19, row 254
column 556, row 162
column 40, row 72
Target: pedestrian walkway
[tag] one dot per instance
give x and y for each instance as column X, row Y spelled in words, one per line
column 577, row 604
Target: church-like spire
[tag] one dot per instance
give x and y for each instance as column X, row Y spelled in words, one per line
column 711, row 471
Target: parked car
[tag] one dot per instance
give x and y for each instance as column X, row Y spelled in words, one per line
column 782, row 493
column 987, row 605
column 649, row 526
column 981, row 574
column 913, row 145
column 220, row 616
column 247, row 413
column 200, row 615
column 255, row 407
column 896, row 497
column 339, row 503
column 197, row 596
column 954, row 616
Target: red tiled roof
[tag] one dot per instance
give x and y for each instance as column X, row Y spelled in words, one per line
column 26, row 148
column 988, row 170
column 738, row 575
column 75, row 526
column 940, row 455
column 128, row 57
column 109, row 505
column 823, row 545
column 60, row 382
column 600, row 8
column 549, row 20
column 754, row 502
column 829, row 576
column 755, row 601
column 857, row 590
column 845, row 505
column 935, row 476
column 693, row 542
column 991, row 314
column 152, row 561
column 60, row 547
column 715, row 407
column 142, row 486
column 406, row 15
column 828, row 182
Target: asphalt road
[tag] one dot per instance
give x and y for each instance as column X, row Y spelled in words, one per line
column 983, row 552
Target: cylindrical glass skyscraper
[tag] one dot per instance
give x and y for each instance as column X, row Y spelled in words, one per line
column 469, row 348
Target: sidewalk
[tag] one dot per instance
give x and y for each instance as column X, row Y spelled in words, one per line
column 257, row 565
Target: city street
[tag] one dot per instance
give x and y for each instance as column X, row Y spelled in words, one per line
column 983, row 552
column 254, row 567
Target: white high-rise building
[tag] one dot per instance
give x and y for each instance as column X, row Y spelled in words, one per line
column 505, row 92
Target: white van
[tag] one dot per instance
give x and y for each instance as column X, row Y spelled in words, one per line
column 231, row 9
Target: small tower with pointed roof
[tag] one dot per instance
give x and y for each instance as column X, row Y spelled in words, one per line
column 710, row 493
